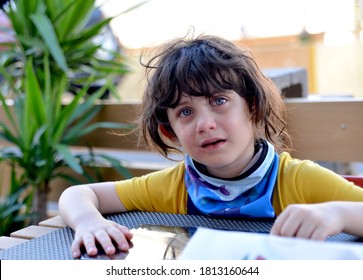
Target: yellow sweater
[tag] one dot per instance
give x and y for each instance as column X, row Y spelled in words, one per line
column 298, row 182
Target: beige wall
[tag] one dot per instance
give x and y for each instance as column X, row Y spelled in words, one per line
column 133, row 84
column 339, row 70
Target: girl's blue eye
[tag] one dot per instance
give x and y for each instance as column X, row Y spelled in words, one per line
column 185, row 112
column 219, row 100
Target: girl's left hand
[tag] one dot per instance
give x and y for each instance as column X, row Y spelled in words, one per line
column 310, row 221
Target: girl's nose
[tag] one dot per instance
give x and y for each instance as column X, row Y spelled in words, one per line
column 205, row 123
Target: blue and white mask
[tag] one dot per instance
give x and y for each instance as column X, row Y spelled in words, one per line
column 247, row 196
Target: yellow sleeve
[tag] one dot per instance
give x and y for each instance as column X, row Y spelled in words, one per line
column 160, row 191
column 303, row 181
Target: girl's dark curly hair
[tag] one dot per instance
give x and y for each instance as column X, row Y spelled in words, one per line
column 200, row 67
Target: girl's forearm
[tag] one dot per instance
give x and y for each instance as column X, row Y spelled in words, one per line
column 77, row 204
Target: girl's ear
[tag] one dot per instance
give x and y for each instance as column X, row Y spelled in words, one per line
column 166, row 133
column 170, row 136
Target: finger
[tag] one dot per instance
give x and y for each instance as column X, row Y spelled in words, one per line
column 120, row 238
column 288, row 226
column 90, row 244
column 276, row 227
column 76, row 248
column 279, row 223
column 319, row 234
column 306, row 230
column 126, row 232
column 105, row 241
column 291, row 227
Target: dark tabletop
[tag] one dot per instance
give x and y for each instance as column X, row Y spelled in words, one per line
column 56, row 245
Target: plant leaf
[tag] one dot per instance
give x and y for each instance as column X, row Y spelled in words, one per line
column 73, row 17
column 64, row 151
column 49, row 36
column 34, row 95
column 115, row 163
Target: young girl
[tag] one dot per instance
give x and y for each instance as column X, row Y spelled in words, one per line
column 207, row 98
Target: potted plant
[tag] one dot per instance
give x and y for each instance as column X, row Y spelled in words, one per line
column 53, row 46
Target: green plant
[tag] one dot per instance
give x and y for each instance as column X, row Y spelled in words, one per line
column 59, row 29
column 52, row 44
column 15, row 207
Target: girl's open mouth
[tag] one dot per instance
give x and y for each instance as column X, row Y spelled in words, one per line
column 213, row 143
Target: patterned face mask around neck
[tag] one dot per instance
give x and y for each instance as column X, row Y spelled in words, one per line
column 247, row 196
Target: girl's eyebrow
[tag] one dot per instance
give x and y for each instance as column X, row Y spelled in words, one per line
column 181, row 103
column 184, row 100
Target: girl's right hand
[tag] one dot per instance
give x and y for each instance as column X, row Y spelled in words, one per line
column 108, row 234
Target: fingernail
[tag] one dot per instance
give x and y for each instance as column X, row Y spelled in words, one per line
column 124, row 246
column 109, row 249
column 92, row 250
column 75, row 255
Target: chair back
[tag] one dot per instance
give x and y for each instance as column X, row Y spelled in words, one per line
column 326, row 129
